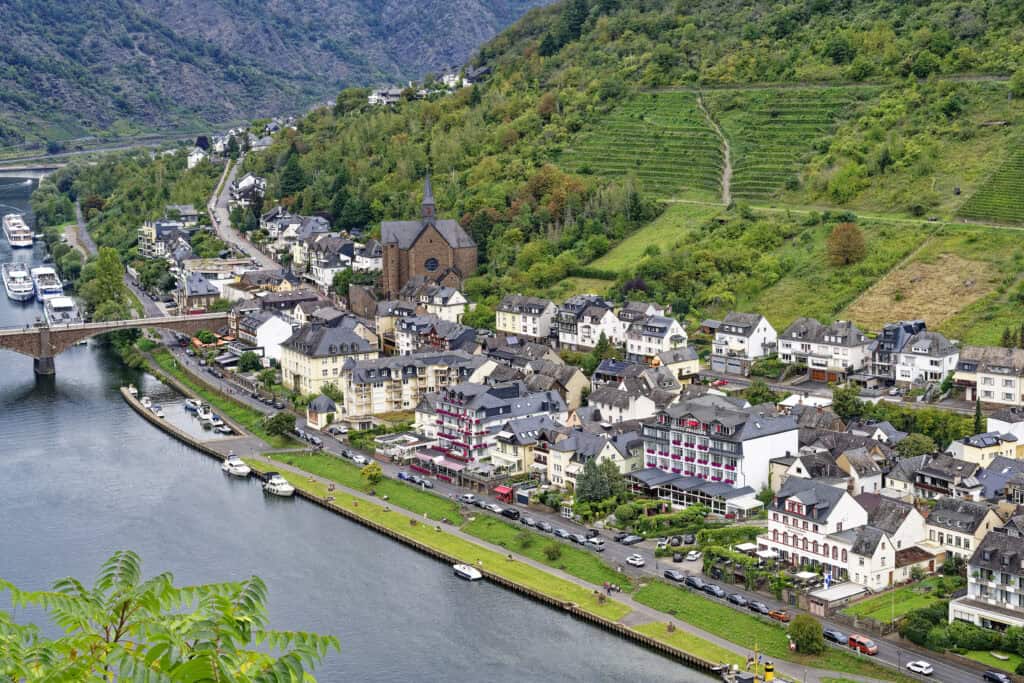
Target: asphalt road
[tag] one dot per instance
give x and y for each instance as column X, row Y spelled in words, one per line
column 220, row 217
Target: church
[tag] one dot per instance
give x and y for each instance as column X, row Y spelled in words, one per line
column 436, row 249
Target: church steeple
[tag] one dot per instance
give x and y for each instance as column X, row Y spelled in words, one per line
column 428, row 206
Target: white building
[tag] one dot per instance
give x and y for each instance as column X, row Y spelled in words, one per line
column 831, row 353
column 583, row 319
column 266, row 331
column 740, row 339
column 196, row 157
column 653, row 335
column 992, row 374
column 525, row 316
column 926, row 357
column 995, row 584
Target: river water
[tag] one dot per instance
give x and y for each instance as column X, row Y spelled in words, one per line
column 86, row 476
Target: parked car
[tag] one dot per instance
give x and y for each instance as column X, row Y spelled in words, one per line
column 635, row 560
column 404, row 476
column 545, row 527
column 675, row 541
column 632, row 540
column 278, row 404
column 712, row 589
column 190, row 352
column 596, row 544
column 425, row 483
column 719, row 382
column 528, row 521
column 360, row 459
column 562, row 533
column 337, row 430
column 675, row 575
column 493, row 507
column 737, row 599
column 780, row 615
column 920, row 667
column 832, row 635
column 467, row 498
column 758, row 606
column 578, row 538
column 345, row 453
column 619, row 536
column 995, row 677
column 592, row 533
column 316, row 441
column 862, row 644
column 695, row 582
column 677, row 557
column 694, row 555
column 689, row 539
column 481, row 503
column 511, row 513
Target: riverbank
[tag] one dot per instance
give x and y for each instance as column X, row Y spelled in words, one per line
column 624, row 616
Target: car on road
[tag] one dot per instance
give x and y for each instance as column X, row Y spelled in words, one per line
column 527, row 521
column 337, row 430
column 360, row 459
column 920, row 667
column 278, row 404
column 493, row 507
column 737, row 599
column 425, row 483
column 719, row 382
column 316, row 441
column 596, row 544
column 694, row 555
column 995, row 677
column 511, row 513
column 190, row 352
column 404, row 476
column 780, row 615
column 592, row 533
column 619, row 536
column 635, row 560
column 632, row 540
column 758, row 606
column 695, row 582
column 862, row 644
column 481, row 503
column 832, row 635
column 467, row 498
column 712, row 589
column 675, row 575
column 578, row 538
column 562, row 533
column 544, row 526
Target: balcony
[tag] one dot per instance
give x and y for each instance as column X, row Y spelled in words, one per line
column 702, row 462
column 675, row 457
column 689, row 458
column 676, row 470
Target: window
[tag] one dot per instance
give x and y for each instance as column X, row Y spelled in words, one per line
column 431, row 264
column 844, row 554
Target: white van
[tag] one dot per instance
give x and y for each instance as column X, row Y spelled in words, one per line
column 596, row 543
column 467, row 498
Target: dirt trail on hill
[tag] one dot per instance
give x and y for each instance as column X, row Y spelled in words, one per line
column 726, row 152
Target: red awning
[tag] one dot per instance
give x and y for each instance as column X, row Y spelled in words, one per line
column 502, row 489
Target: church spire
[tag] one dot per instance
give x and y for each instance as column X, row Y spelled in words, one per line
column 428, row 206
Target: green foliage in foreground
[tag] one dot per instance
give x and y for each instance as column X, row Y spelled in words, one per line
column 139, row 629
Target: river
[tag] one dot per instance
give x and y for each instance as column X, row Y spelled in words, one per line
column 87, row 476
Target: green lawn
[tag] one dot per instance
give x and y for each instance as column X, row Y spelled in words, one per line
column 464, row 551
column 584, row 564
column 690, row 643
column 896, row 603
column 399, row 493
column 986, row 658
column 670, row 227
column 251, row 420
column 751, row 632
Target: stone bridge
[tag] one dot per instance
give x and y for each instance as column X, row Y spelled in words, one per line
column 36, row 171
column 43, row 342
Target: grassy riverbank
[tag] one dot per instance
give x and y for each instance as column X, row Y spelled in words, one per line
column 750, row 631
column 250, row 419
column 463, row 550
column 399, row 493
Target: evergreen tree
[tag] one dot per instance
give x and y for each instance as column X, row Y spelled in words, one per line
column 574, row 15
column 548, row 45
column 293, row 178
column 979, row 421
column 1007, row 340
column 613, row 477
column 591, row 485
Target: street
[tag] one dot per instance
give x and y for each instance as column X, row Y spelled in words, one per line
column 220, row 216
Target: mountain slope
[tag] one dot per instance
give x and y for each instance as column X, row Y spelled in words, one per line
column 68, row 68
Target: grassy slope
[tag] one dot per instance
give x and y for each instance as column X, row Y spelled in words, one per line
column 987, row 659
column 663, row 232
column 894, row 604
column 750, row 631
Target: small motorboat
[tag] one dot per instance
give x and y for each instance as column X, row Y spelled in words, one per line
column 465, row 571
column 192, row 404
column 277, row 485
column 132, row 391
column 215, row 421
column 158, row 410
column 146, row 402
column 203, row 412
column 224, row 429
column 235, row 466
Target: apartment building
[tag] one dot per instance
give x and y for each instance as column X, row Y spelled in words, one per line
column 582, row 320
column 991, row 374
column 926, row 357
column 995, row 584
column 740, row 339
column 316, row 354
column 831, row 352
column 526, row 316
column 959, row 526
column 645, row 339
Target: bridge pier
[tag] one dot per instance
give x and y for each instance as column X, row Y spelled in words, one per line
column 44, row 366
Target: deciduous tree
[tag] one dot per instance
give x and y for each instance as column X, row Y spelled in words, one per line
column 846, row 244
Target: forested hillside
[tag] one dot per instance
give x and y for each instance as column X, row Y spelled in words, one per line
column 69, row 68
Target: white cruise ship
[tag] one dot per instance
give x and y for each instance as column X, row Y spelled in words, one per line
column 47, row 283
column 17, row 233
column 61, row 310
column 17, row 281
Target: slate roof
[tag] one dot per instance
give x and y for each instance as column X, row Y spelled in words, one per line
column 999, row 553
column 745, row 321
column 395, row 366
column 838, row 333
column 517, row 303
column 906, row 469
column 947, row 467
column 862, row 463
column 887, row 514
column 991, row 359
column 931, row 344
column 678, row 355
column 749, row 423
column 957, row 514
column 318, row 341
column 405, row 233
column 322, row 404
column 1009, row 414
column 998, row 474
column 987, row 439
column 197, row 285
column 820, row 498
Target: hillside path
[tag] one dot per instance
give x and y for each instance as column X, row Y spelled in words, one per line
column 726, row 152
column 79, row 235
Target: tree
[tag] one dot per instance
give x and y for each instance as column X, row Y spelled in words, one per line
column 574, row 14
column 293, row 178
column 279, row 424
column 590, row 484
column 553, row 551
column 249, row 361
column 612, row 477
column 759, row 392
column 625, row 513
column 846, row 402
column 206, row 337
column 372, row 474
column 332, row 392
column 979, row 420
column 846, row 244
column 105, row 282
column 914, row 445
column 128, row 628
column 267, row 378
column 805, row 631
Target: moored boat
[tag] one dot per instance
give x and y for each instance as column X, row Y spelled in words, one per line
column 278, row 485
column 61, row 310
column 465, row 571
column 146, row 401
column 203, row 412
column 18, row 281
column 18, row 234
column 192, row 404
column 47, row 283
column 235, row 466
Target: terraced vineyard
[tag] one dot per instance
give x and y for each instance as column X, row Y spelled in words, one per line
column 1001, row 197
column 663, row 138
column 773, row 132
